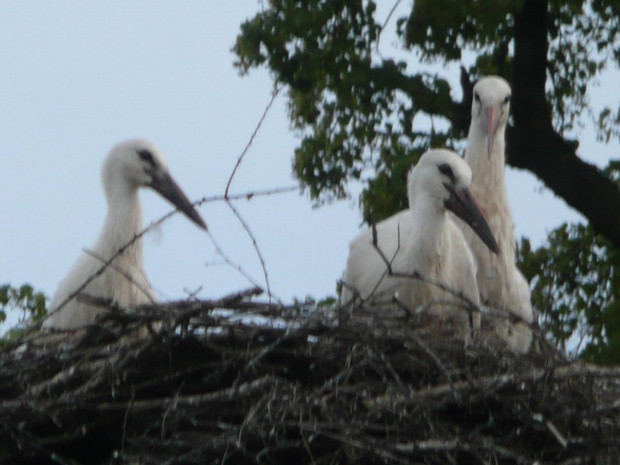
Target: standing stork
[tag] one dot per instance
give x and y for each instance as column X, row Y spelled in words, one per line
column 501, row 283
column 129, row 166
column 423, row 239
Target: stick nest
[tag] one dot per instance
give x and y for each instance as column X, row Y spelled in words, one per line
column 206, row 383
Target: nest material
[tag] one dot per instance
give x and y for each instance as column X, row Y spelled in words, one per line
column 185, row 383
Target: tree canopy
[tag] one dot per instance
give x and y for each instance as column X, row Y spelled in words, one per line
column 355, row 106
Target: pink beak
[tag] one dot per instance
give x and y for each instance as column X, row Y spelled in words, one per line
column 491, row 128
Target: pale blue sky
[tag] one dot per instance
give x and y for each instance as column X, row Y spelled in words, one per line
column 78, row 77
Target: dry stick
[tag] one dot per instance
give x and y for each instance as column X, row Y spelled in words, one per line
column 447, row 445
column 391, row 369
column 116, row 363
column 193, row 400
column 488, row 384
column 227, row 198
column 472, row 305
column 415, row 275
column 232, row 175
column 431, row 353
column 255, row 244
column 364, row 445
column 122, row 272
column 246, row 195
column 419, row 277
column 253, row 411
column 307, row 446
column 539, row 417
column 436, row 359
column 237, row 266
column 181, row 310
column 133, row 393
column 375, row 244
column 385, row 23
column 354, row 291
column 191, row 295
column 262, row 354
column 247, row 147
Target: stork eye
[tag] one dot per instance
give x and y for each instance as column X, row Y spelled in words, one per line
column 146, row 156
column 446, row 170
column 507, row 99
column 477, row 97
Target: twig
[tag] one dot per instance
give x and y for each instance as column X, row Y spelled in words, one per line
column 416, row 275
column 375, row 244
column 250, row 364
column 439, row 445
column 122, row 272
column 437, row 362
column 125, row 421
column 246, row 195
column 367, row 444
column 247, row 147
column 232, row 175
column 254, row 244
column 237, row 266
column 539, row 417
column 192, row 401
column 385, row 23
column 487, row 384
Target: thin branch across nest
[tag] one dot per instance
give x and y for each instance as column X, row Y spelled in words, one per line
column 239, row 382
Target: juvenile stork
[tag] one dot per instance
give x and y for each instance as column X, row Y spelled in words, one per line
column 129, row 166
column 423, row 239
column 500, row 282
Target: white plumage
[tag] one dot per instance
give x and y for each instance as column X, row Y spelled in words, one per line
column 501, row 283
column 423, row 239
column 129, row 166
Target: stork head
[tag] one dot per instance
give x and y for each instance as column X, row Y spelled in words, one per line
column 490, row 107
column 138, row 163
column 444, row 177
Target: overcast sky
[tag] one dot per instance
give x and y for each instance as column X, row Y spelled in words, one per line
column 78, row 77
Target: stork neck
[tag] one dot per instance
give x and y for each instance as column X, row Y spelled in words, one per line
column 123, row 221
column 488, row 172
column 426, row 242
column 485, row 168
column 489, row 187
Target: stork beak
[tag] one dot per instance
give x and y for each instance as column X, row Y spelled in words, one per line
column 464, row 205
column 168, row 188
column 491, row 126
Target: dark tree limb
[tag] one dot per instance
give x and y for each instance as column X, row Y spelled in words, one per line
column 534, row 145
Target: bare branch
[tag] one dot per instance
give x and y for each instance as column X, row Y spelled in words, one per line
column 247, row 147
column 122, row 272
column 238, row 267
column 254, row 244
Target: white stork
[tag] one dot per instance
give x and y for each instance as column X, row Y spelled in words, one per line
column 129, row 166
column 501, row 283
column 423, row 239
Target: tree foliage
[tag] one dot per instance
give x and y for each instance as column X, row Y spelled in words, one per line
column 24, row 299
column 357, row 102
column 576, row 286
column 356, row 107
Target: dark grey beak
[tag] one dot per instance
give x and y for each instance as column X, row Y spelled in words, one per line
column 168, row 188
column 464, row 205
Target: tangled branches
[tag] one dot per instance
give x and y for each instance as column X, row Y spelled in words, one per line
column 240, row 382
